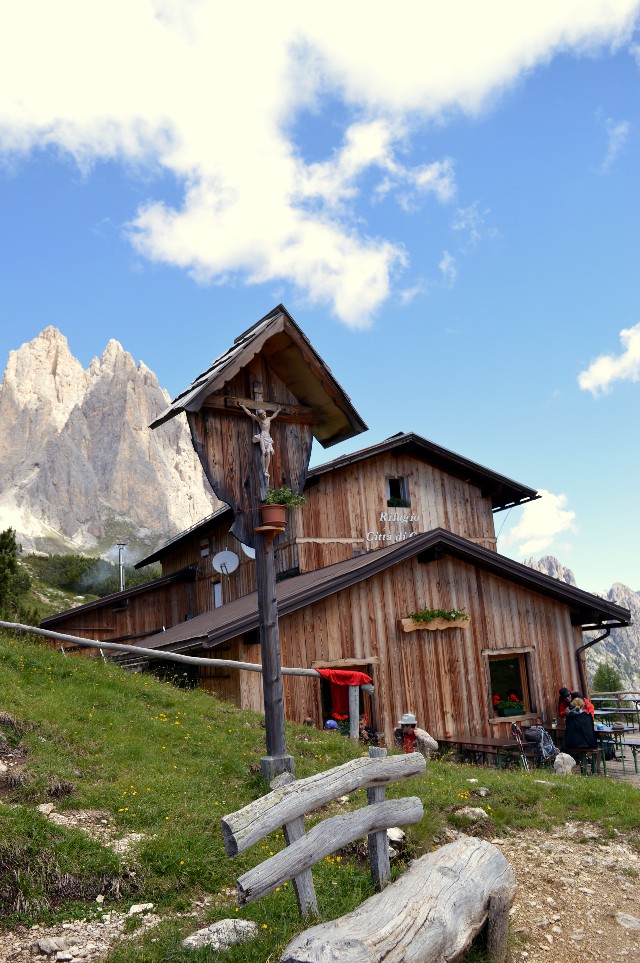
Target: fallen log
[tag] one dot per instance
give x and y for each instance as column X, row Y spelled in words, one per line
column 430, row 914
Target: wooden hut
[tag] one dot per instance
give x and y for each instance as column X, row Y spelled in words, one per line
column 393, row 528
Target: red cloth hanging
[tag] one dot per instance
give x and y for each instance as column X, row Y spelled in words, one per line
column 340, row 680
column 344, row 676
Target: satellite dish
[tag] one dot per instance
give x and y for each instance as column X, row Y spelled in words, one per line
column 225, row 562
column 248, row 551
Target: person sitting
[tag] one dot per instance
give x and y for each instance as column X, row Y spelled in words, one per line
column 588, row 705
column 564, row 701
column 405, row 733
column 579, row 734
column 366, row 733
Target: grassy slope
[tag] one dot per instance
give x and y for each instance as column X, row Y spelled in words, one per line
column 168, row 763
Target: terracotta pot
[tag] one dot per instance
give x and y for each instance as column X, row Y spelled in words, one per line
column 275, row 515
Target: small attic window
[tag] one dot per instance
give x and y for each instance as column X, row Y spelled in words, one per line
column 397, row 493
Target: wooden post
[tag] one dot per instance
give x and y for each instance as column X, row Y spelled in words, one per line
column 276, row 760
column 354, row 712
column 378, row 842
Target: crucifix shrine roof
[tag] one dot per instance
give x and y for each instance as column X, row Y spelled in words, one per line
column 290, row 355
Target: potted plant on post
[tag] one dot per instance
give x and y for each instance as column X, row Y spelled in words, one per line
column 274, row 510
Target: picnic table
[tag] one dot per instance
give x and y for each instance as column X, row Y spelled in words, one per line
column 478, row 747
column 610, row 713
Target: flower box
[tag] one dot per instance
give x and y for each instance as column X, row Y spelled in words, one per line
column 413, row 625
column 512, row 711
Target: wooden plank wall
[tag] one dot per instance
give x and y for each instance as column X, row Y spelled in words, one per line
column 145, row 615
column 340, row 512
column 442, row 676
column 344, row 509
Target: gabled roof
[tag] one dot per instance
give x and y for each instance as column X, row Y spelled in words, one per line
column 239, row 617
column 503, row 491
column 289, row 353
column 117, row 599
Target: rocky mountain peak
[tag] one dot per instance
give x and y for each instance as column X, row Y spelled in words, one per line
column 81, row 467
column 549, row 565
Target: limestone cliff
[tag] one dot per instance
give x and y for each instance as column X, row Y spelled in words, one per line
column 80, row 467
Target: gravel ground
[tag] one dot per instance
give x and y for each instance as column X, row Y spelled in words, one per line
column 577, row 891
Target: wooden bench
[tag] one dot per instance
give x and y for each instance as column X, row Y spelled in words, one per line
column 430, row 913
column 634, row 745
column 478, row 747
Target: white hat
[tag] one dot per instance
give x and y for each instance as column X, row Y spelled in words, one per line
column 408, row 719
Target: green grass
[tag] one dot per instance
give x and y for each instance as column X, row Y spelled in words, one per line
column 168, row 763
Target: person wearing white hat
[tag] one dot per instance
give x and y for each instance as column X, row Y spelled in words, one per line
column 405, row 734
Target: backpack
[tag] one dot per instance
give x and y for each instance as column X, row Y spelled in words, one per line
column 544, row 743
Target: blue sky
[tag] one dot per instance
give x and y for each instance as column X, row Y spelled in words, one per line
column 447, row 202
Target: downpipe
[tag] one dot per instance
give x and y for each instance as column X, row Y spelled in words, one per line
column 580, row 650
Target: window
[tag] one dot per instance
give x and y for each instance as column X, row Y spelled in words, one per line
column 509, row 676
column 217, row 594
column 397, row 493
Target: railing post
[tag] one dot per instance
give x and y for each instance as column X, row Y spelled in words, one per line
column 378, row 842
column 294, row 830
column 354, row 712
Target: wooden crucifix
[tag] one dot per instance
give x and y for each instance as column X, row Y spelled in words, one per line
column 272, row 358
column 263, row 437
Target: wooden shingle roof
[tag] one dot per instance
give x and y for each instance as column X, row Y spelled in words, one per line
column 503, row 491
column 241, row 616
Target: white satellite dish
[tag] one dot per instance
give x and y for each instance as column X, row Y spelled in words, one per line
column 248, row 551
column 225, row 562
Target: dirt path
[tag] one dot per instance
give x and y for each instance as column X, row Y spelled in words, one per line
column 578, row 891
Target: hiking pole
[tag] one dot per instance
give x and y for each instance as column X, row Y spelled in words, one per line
column 516, row 732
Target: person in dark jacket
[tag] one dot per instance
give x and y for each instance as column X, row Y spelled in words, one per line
column 579, row 732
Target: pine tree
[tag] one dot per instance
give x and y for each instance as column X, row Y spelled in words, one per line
column 14, row 580
column 606, row 678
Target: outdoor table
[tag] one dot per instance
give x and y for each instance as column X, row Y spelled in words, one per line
column 623, row 713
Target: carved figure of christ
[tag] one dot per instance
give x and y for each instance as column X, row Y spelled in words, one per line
column 263, row 438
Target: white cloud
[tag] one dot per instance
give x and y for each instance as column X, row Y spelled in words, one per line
column 407, row 295
column 607, row 368
column 448, row 269
column 470, row 221
column 617, row 134
column 210, row 94
column 541, row 521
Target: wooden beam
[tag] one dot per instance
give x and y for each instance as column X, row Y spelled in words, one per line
column 321, row 841
column 301, row 414
column 293, row 831
column 262, row 816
